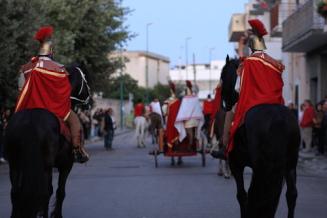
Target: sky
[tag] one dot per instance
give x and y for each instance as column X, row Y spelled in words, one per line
column 204, row 21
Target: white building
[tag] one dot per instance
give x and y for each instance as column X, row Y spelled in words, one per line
column 148, row 69
column 206, row 76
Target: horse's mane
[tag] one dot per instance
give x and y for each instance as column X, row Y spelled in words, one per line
column 229, row 77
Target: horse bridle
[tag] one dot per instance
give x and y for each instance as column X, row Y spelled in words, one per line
column 84, row 83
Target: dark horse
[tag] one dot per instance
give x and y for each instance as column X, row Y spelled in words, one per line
column 33, row 146
column 268, row 142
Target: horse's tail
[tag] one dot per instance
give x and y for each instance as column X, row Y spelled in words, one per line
column 33, row 184
column 27, row 172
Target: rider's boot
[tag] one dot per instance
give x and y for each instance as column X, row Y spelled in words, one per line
column 80, row 155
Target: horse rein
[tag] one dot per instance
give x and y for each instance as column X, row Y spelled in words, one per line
column 85, row 101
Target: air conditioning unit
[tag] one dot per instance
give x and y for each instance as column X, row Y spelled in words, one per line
column 236, row 27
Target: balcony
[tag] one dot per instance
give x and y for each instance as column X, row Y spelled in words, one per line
column 303, row 31
column 236, row 27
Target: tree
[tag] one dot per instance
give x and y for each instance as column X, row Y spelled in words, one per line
column 18, row 21
column 86, row 31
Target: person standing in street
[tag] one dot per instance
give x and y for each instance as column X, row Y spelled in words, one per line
column 207, row 111
column 108, row 128
column 140, row 123
column 306, row 124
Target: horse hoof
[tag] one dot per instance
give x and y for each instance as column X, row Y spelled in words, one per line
column 227, row 177
column 220, row 174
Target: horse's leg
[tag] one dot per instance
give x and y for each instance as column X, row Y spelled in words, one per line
column 143, row 126
column 45, row 208
column 220, row 168
column 226, row 169
column 241, row 195
column 291, row 193
column 264, row 191
column 60, row 193
column 172, row 161
column 14, row 179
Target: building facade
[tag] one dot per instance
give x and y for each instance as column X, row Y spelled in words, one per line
column 305, row 39
column 205, row 76
column 147, row 68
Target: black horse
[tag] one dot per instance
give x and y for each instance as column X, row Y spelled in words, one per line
column 268, row 142
column 33, row 147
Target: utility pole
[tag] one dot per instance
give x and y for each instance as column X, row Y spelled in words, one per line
column 147, row 61
column 186, row 55
column 121, row 70
column 194, row 69
column 210, row 57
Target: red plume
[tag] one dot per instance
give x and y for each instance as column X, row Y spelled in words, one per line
column 43, row 33
column 258, row 27
column 172, row 86
column 189, row 84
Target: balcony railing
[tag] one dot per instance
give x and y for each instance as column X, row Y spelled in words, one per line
column 303, row 28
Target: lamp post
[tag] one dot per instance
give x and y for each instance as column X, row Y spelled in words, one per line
column 147, row 53
column 121, row 71
column 210, row 57
column 186, row 55
column 147, row 61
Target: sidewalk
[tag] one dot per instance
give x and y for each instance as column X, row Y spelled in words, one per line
column 312, row 164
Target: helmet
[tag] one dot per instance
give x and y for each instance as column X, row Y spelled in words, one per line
column 189, row 87
column 256, row 41
column 44, row 36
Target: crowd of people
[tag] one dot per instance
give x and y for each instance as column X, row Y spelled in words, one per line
column 313, row 124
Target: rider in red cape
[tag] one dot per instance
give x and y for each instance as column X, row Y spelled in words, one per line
column 47, row 86
column 216, row 107
column 261, row 79
column 172, row 111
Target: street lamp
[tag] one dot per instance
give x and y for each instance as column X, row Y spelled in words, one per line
column 210, row 57
column 186, row 55
column 121, row 71
column 147, row 61
column 147, row 54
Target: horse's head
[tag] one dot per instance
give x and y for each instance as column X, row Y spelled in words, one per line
column 228, row 78
column 80, row 94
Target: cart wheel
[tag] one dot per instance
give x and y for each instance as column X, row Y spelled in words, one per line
column 203, row 156
column 156, row 158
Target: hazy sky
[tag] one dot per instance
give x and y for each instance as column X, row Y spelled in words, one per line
column 205, row 21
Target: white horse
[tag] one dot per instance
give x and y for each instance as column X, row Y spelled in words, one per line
column 140, row 127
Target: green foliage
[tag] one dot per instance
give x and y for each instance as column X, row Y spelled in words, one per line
column 322, row 8
column 86, row 31
column 162, row 92
column 17, row 21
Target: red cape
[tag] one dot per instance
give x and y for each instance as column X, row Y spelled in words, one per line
column 215, row 108
column 261, row 83
column 171, row 131
column 207, row 107
column 48, row 90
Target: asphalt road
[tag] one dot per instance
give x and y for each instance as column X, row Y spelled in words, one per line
column 124, row 183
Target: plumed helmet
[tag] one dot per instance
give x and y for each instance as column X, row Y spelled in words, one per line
column 172, row 86
column 256, row 41
column 44, row 36
column 189, row 84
